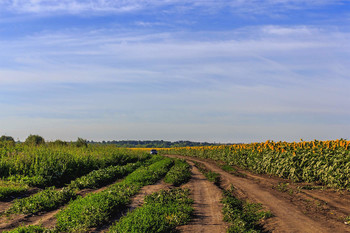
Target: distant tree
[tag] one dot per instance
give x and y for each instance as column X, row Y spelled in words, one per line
column 34, row 140
column 4, row 138
column 81, row 143
column 8, row 140
column 59, row 143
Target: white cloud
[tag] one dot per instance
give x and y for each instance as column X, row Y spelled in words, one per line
column 120, row 6
column 275, row 81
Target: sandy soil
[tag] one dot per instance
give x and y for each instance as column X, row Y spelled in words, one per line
column 296, row 210
column 207, row 207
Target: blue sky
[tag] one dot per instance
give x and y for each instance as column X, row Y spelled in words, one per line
column 217, row 71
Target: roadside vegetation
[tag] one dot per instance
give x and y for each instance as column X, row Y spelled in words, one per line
column 179, row 174
column 96, row 209
column 162, row 211
column 210, row 175
column 242, row 216
column 321, row 162
column 10, row 188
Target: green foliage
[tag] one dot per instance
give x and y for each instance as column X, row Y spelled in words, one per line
column 162, row 212
column 242, row 216
column 81, row 143
column 51, row 199
column 102, row 177
column 321, row 162
column 96, row 209
column 8, row 189
column 44, row 166
column 58, row 143
column 34, row 140
column 154, row 143
column 45, row 200
column 210, row 175
column 179, row 174
column 30, row 229
column 7, row 140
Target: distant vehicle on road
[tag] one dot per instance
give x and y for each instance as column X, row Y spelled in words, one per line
column 153, row 152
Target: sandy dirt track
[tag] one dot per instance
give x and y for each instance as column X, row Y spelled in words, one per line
column 289, row 216
column 207, row 207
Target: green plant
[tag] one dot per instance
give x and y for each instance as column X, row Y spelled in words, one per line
column 179, row 174
column 34, row 140
column 162, row 212
column 9, row 188
column 210, row 175
column 242, row 216
column 81, row 143
column 96, row 209
column 30, row 229
column 45, row 200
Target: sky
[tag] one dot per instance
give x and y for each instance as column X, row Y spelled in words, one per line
column 202, row 70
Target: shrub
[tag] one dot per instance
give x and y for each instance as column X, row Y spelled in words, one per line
column 81, row 143
column 34, row 140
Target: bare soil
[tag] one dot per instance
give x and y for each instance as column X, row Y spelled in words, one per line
column 207, row 207
column 295, row 209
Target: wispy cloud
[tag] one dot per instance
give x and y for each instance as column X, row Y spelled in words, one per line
column 78, row 6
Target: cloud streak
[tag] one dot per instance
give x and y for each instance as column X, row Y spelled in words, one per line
column 123, row 6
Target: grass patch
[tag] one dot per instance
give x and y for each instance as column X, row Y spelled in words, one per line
column 45, row 200
column 228, row 168
column 162, row 212
column 231, row 170
column 29, row 229
column 97, row 209
column 210, row 175
column 102, row 177
column 242, row 216
column 9, row 188
column 179, row 174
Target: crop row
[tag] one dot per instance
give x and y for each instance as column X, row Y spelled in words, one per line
column 162, row 212
column 50, row 198
column 47, row 165
column 323, row 162
column 96, row 209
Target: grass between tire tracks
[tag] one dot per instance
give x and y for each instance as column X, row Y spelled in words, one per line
column 242, row 216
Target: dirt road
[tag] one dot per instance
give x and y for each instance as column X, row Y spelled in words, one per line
column 207, row 207
column 289, row 216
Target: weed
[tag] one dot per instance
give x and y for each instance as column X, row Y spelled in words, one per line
column 162, row 212
column 179, row 174
column 242, row 216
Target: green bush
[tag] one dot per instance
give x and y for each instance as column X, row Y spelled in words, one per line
column 81, row 143
column 34, row 140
